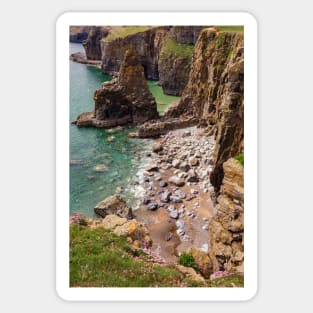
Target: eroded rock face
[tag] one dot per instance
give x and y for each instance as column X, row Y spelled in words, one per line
column 79, row 33
column 137, row 234
column 113, row 205
column 214, row 94
column 226, row 228
column 125, row 99
column 92, row 43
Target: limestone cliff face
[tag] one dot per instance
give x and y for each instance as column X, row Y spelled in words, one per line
column 79, row 33
column 125, row 99
column 214, row 94
column 148, row 45
column 165, row 53
column 226, row 228
column 92, row 43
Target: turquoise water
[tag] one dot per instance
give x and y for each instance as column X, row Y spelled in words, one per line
column 123, row 157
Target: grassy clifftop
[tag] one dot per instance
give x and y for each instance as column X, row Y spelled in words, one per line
column 98, row 258
column 123, row 31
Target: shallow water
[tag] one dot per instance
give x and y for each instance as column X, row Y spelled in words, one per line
column 89, row 147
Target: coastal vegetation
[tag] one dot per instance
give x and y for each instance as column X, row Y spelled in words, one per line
column 99, row 258
column 123, row 31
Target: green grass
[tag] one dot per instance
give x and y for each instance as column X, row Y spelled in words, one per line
column 186, row 259
column 163, row 101
column 240, row 158
column 98, row 258
column 123, row 31
column 174, row 49
column 232, row 29
column 235, row 280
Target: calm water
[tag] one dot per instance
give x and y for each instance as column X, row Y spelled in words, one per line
column 123, row 157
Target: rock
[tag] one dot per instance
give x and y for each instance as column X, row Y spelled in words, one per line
column 100, row 168
column 157, row 147
column 190, row 273
column 152, row 206
column 119, row 189
column 184, row 166
column 90, row 177
column 146, row 179
column 133, row 135
column 171, row 208
column 174, row 214
column 134, row 230
column 180, row 224
column 152, row 168
column 176, row 199
column 186, row 133
column 176, row 163
column 146, row 200
column 192, row 176
column 180, row 232
column 193, row 161
column 76, row 162
column 162, row 183
column 203, row 261
column 110, row 138
column 111, row 221
column 194, row 191
column 113, row 205
column 165, row 197
column 180, row 194
column 176, row 181
column 169, row 236
column 125, row 99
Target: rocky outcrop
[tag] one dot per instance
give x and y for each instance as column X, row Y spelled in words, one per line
column 79, row 33
column 148, row 45
column 125, row 99
column 161, row 127
column 165, row 53
column 176, row 58
column 113, row 205
column 226, row 228
column 214, row 94
column 92, row 43
column 135, row 232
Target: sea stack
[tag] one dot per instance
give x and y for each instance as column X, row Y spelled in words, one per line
column 125, row 99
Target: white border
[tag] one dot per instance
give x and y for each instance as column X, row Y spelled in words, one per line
column 62, row 156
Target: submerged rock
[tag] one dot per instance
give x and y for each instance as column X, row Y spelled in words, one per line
column 113, row 205
column 100, row 168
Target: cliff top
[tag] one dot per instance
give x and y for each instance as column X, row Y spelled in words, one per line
column 123, row 31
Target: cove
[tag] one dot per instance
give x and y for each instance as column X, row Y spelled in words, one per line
column 89, row 147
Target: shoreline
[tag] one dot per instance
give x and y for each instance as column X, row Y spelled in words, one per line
column 194, row 210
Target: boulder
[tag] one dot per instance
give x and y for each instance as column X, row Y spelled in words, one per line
column 176, row 163
column 193, row 161
column 135, row 231
column 176, row 181
column 165, row 197
column 111, row 221
column 203, row 262
column 113, row 205
column 157, row 147
column 151, row 168
column 100, row 168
